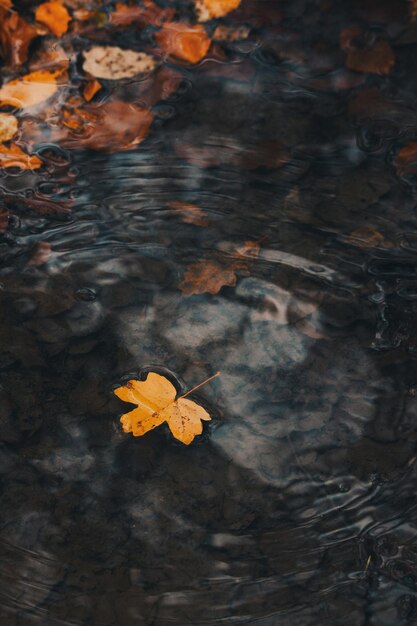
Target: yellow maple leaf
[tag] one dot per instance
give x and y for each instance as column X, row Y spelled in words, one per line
column 157, row 403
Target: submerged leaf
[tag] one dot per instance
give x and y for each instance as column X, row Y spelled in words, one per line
column 111, row 127
column 190, row 213
column 115, row 63
column 91, row 88
column 406, row 161
column 367, row 237
column 206, row 277
column 55, row 16
column 184, row 41
column 147, row 13
column 13, row 156
column 30, row 89
column 373, row 56
column 16, row 35
column 210, row 9
column 8, row 126
column 156, row 402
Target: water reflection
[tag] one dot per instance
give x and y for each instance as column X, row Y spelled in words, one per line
column 297, row 505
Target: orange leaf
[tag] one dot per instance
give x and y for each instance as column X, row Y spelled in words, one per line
column 184, row 41
column 16, row 36
column 91, row 88
column 190, row 213
column 6, row 4
column 8, row 126
column 30, row 89
column 157, row 403
column 15, row 157
column 209, row 9
column 55, row 16
column 206, row 277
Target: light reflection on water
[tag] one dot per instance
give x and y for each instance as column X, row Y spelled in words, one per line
column 308, row 467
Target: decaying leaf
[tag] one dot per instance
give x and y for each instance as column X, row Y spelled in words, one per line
column 115, row 63
column 366, row 237
column 112, row 127
column 249, row 251
column 13, row 156
column 231, row 33
column 406, row 161
column 49, row 56
column 156, row 402
column 147, row 13
column 206, row 277
column 8, row 126
column 55, row 16
column 374, row 56
column 40, row 254
column 91, row 88
column 190, row 213
column 210, row 9
column 30, row 89
column 6, row 4
column 184, row 41
column 16, row 35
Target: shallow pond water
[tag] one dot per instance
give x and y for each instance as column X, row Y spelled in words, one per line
column 297, row 505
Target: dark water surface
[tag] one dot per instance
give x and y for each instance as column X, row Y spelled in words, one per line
column 298, row 504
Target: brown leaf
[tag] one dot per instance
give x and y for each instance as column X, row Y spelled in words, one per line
column 49, row 56
column 190, row 213
column 13, row 156
column 40, row 254
column 146, row 13
column 112, row 127
column 231, row 33
column 406, row 161
column 206, row 277
column 366, row 237
column 55, row 16
column 270, row 154
column 16, row 36
column 4, row 219
column 184, row 41
column 366, row 54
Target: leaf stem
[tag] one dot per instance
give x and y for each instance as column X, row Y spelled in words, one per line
column 200, row 385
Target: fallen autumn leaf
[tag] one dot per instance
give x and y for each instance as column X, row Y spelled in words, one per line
column 156, row 402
